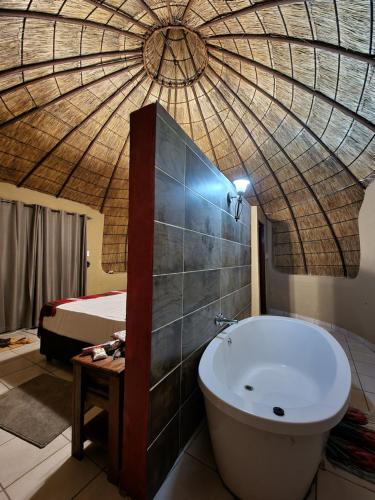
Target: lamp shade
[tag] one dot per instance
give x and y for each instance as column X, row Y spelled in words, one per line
column 241, row 185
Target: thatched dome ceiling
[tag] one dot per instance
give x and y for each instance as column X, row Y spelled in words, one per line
column 281, row 91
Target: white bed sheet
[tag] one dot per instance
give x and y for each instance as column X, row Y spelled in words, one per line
column 91, row 320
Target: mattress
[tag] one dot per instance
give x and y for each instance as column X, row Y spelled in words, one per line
column 92, row 321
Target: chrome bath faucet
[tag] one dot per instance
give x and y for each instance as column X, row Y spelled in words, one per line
column 221, row 320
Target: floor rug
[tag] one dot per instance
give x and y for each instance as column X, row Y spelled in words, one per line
column 38, row 410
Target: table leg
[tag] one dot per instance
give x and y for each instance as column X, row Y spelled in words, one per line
column 114, row 426
column 78, row 412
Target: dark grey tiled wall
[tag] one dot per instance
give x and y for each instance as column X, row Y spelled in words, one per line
column 201, row 267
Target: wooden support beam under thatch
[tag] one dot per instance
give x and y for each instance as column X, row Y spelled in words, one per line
column 102, row 127
column 70, row 93
column 316, row 93
column 312, row 44
column 123, row 149
column 79, row 69
column 150, row 12
column 120, row 13
column 284, row 152
column 67, row 60
column 74, row 129
column 265, row 161
column 32, row 14
column 187, row 8
column 294, row 116
column 266, row 4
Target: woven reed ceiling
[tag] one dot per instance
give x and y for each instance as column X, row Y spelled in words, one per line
column 279, row 91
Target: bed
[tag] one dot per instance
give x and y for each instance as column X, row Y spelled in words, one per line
column 68, row 325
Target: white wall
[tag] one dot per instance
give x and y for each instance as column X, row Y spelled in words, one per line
column 349, row 303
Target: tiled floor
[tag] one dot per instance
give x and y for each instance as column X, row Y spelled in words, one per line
column 50, row 473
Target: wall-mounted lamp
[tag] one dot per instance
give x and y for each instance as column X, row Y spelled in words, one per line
column 241, row 186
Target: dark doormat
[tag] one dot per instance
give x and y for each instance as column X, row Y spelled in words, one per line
column 38, row 410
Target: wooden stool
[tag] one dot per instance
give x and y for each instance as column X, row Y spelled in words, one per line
column 100, row 383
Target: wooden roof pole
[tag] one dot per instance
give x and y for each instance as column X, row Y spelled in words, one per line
column 266, row 4
column 101, row 128
column 67, row 94
column 300, row 174
column 294, row 116
column 313, row 44
column 68, row 134
column 120, row 13
column 346, row 111
column 32, row 14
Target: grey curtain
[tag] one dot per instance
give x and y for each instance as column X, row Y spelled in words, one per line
column 42, row 258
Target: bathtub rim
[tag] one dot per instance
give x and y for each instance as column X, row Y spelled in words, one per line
column 314, row 419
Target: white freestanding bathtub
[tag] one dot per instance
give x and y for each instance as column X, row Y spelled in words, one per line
column 273, row 388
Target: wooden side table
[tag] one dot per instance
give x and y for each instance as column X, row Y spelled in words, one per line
column 100, row 383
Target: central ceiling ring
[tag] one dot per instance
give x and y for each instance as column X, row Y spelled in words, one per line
column 175, row 56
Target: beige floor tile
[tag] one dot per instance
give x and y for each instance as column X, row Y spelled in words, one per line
column 100, row 488
column 192, row 480
column 17, row 457
column 201, row 448
column 51, row 366
column 332, row 487
column 370, row 397
column 60, row 477
column 22, row 376
column 358, row 400
column 6, row 355
column 5, row 436
column 3, row 496
column 13, row 364
column 363, row 358
column 365, row 369
column 3, row 389
column 368, row 383
column 64, row 373
column 35, row 356
column 356, row 384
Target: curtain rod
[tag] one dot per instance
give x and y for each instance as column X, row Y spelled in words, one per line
column 52, row 209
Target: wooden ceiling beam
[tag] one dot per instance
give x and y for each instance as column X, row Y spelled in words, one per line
column 71, row 131
column 120, row 13
column 70, row 93
column 266, row 4
column 78, row 69
column 115, row 168
column 150, row 12
column 32, row 14
column 187, row 8
column 102, row 128
column 287, row 110
column 66, row 60
column 204, row 124
column 312, row 44
column 282, row 76
column 299, row 173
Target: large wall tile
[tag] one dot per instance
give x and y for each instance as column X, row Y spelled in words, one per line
column 233, row 304
column 169, row 200
column 191, row 415
column 167, row 299
column 168, row 249
column 201, row 215
column 230, row 253
column 189, row 373
column 230, row 228
column 170, row 151
column 165, row 401
column 201, row 251
column 200, row 288
column 199, row 327
column 201, row 178
column 165, row 350
column 161, row 456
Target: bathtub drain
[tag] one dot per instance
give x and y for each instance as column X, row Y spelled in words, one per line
column 278, row 411
column 249, row 387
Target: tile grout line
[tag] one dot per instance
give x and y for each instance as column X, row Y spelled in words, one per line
column 37, row 465
column 87, row 484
